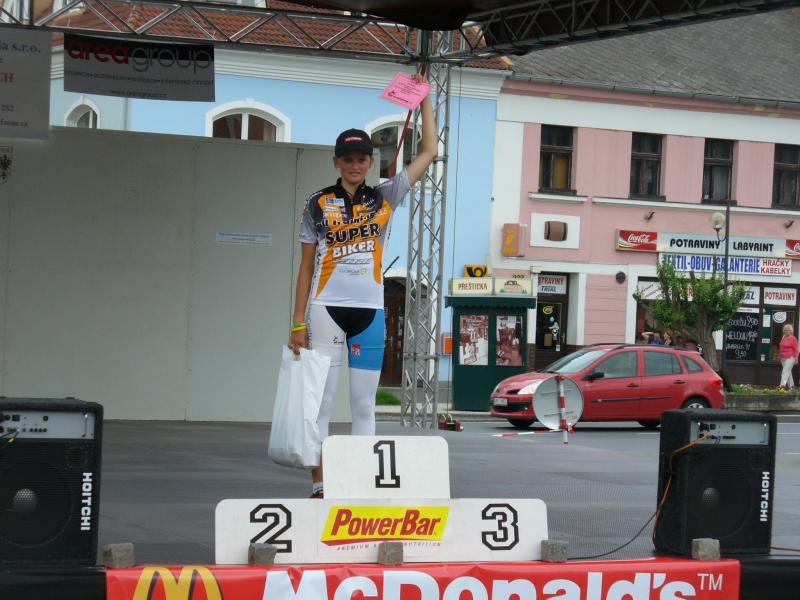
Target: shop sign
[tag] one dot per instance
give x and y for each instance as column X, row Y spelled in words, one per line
column 491, row 286
column 752, row 295
column 650, row 290
column 792, row 248
column 552, row 284
column 472, row 286
column 699, row 263
column 687, row 243
column 512, row 287
column 780, row 296
column 640, row 241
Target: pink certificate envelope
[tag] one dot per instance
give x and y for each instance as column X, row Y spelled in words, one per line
column 403, row 90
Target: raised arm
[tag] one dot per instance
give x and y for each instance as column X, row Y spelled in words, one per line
column 429, row 144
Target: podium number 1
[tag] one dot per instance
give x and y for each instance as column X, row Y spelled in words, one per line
column 386, row 464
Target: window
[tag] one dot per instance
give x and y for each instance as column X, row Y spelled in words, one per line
column 244, row 126
column 646, row 165
column 692, row 365
column 787, row 173
column 717, row 169
column 660, row 363
column 83, row 114
column 385, row 141
column 619, row 365
column 555, row 162
column 248, row 120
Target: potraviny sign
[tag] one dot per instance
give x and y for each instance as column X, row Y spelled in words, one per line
column 689, row 243
column 737, row 265
column 136, row 69
column 25, row 83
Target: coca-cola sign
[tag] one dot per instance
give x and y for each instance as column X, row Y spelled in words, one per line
column 642, row 241
column 792, row 248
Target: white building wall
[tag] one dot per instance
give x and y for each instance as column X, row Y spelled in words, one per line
column 114, row 288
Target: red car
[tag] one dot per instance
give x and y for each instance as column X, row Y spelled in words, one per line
column 619, row 382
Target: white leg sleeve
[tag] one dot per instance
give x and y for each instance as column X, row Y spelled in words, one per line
column 328, row 339
column 363, row 385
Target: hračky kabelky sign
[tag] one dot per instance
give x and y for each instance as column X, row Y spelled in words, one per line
column 135, row 69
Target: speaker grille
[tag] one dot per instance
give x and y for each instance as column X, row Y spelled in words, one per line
column 35, row 503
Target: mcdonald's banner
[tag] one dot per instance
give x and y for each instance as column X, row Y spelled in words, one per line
column 654, row 579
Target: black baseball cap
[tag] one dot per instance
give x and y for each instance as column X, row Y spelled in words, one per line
column 353, row 139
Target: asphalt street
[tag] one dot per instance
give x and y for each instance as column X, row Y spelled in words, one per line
column 162, row 480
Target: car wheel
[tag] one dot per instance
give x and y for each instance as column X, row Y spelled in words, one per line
column 650, row 424
column 696, row 403
column 521, row 423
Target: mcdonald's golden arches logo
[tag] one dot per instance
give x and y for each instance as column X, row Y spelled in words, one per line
column 182, row 588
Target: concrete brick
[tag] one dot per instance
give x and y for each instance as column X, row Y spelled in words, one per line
column 119, row 556
column 705, row 549
column 261, row 554
column 390, row 553
column 554, row 551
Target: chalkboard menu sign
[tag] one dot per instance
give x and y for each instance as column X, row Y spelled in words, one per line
column 741, row 336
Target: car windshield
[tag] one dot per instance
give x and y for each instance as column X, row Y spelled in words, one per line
column 572, row 363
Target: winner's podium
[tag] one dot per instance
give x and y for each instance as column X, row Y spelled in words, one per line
column 380, row 489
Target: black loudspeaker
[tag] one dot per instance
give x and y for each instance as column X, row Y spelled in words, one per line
column 49, row 481
column 719, row 487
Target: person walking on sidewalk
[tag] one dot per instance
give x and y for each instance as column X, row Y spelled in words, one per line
column 339, row 294
column 788, row 351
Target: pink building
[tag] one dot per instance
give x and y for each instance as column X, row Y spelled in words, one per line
column 614, row 155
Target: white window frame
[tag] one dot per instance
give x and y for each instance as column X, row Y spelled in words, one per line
column 282, row 123
column 396, row 120
column 76, row 110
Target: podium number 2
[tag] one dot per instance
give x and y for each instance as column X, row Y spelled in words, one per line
column 387, row 476
column 278, row 520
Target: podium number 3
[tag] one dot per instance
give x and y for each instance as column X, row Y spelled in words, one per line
column 387, row 476
column 507, row 534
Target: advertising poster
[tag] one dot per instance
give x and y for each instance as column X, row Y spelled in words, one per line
column 136, row 69
column 509, row 332
column 25, row 83
column 473, row 345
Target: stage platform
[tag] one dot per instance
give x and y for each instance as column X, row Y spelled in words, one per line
column 161, row 482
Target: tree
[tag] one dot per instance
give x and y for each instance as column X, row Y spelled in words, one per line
column 694, row 306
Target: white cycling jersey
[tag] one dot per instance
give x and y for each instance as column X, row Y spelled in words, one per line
column 350, row 234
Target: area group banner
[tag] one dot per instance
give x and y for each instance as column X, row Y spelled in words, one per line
column 655, row 579
column 136, row 69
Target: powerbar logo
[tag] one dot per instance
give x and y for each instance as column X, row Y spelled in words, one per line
column 87, row 485
column 765, row 485
column 352, row 524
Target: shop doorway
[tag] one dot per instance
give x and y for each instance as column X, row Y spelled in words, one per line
column 394, row 302
column 550, row 327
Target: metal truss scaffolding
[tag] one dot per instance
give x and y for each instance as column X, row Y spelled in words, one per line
column 510, row 28
column 426, row 256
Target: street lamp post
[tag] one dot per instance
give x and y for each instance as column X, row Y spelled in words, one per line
column 718, row 220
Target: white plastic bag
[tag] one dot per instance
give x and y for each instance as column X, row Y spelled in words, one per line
column 294, row 438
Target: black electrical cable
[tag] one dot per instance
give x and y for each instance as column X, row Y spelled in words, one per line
column 617, row 549
column 660, row 504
